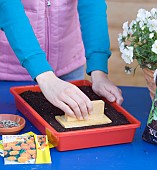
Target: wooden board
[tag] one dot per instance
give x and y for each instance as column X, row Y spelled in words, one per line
column 81, row 123
column 96, row 118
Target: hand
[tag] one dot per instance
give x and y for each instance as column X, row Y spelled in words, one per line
column 64, row 95
column 104, row 87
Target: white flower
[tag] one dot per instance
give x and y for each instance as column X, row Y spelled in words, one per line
column 133, row 22
column 155, row 75
column 141, row 24
column 154, row 47
column 127, row 54
column 137, row 39
column 149, row 66
column 151, row 35
column 121, row 47
column 131, row 29
column 125, row 29
column 152, row 25
column 140, row 39
column 147, row 15
column 143, row 15
column 120, row 37
column 154, row 13
column 128, row 70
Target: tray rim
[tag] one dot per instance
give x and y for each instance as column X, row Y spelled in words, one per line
column 134, row 124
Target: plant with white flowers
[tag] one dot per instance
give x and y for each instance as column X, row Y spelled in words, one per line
column 139, row 40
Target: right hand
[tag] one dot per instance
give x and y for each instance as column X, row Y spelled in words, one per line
column 65, row 96
column 102, row 86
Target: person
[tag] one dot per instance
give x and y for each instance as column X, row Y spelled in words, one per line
column 58, row 30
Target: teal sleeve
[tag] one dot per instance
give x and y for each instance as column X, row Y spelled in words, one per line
column 15, row 24
column 94, row 27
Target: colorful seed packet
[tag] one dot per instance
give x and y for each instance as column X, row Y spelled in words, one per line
column 26, row 149
column 1, row 148
column 28, row 133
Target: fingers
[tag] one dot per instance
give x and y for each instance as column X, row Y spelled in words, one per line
column 79, row 112
column 79, row 103
column 108, row 95
column 64, row 107
column 87, row 101
column 67, row 97
column 104, row 87
column 118, row 95
column 111, row 93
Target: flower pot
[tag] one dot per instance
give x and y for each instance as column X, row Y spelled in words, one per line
column 148, row 74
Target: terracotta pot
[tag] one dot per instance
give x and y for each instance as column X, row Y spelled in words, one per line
column 148, row 74
column 14, row 130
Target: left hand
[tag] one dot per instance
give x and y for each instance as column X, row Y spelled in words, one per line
column 102, row 86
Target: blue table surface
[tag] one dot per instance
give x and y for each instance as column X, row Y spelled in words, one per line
column 135, row 155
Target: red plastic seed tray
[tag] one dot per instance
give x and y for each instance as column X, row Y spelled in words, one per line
column 79, row 139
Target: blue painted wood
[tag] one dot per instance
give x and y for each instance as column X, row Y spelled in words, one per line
column 136, row 155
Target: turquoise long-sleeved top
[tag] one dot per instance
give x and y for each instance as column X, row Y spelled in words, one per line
column 94, row 27
column 93, row 19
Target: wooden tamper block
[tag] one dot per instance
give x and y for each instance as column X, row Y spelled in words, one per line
column 96, row 118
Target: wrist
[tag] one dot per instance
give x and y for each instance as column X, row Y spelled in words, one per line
column 98, row 75
column 44, row 76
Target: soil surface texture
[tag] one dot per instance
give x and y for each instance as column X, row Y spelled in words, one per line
column 48, row 112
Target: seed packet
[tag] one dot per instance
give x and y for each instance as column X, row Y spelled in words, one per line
column 42, row 148
column 26, row 149
column 28, row 133
column 1, row 148
column 150, row 132
column 19, row 149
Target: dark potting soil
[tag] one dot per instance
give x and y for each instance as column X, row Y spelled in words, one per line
column 48, row 112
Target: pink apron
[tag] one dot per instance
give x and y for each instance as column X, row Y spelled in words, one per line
column 57, row 28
